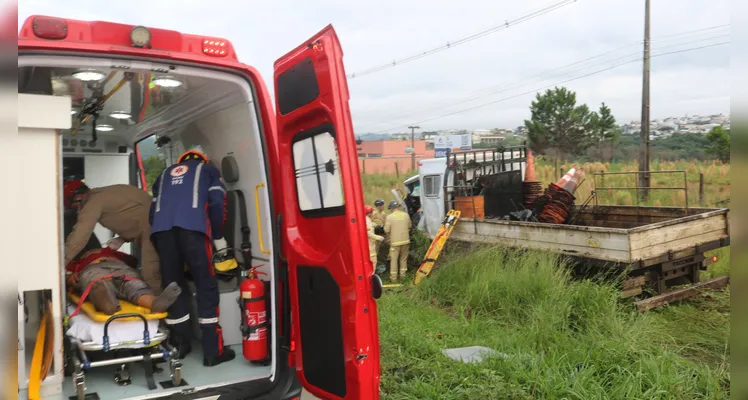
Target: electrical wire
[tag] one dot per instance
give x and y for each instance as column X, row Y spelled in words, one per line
column 463, row 40
column 552, row 85
column 530, row 78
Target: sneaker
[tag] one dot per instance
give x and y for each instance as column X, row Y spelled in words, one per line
column 227, row 355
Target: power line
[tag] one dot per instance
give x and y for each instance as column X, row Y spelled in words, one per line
column 555, row 84
column 529, row 79
column 466, row 39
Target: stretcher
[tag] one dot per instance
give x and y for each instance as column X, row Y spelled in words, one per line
column 437, row 245
column 133, row 328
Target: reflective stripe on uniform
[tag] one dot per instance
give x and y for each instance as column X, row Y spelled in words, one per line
column 205, row 321
column 216, row 188
column 160, row 190
column 178, row 320
column 400, row 243
column 196, row 185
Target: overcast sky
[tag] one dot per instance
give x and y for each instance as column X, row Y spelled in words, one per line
column 504, row 68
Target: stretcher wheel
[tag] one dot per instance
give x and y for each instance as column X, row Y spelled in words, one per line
column 122, row 376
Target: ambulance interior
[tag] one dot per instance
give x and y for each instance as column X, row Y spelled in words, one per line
column 146, row 116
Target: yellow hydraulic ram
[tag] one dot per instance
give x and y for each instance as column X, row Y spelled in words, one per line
column 437, row 245
column 41, row 360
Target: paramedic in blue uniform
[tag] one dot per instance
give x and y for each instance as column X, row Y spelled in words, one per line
column 187, row 217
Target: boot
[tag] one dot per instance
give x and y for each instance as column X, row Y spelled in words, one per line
column 227, row 355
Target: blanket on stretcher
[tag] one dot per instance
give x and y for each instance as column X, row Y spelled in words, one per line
column 84, row 329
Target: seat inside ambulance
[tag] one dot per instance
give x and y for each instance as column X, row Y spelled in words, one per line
column 127, row 126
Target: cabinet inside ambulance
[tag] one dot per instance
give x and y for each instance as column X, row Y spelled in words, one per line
column 124, row 126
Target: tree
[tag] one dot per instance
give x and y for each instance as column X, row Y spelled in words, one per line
column 604, row 134
column 558, row 126
column 153, row 167
column 718, row 140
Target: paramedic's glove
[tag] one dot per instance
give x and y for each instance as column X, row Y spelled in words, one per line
column 223, row 260
column 115, row 243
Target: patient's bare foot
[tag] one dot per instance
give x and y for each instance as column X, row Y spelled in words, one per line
column 166, row 298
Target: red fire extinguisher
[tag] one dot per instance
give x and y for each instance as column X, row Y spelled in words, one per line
column 254, row 317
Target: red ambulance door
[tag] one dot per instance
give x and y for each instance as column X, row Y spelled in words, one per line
column 334, row 317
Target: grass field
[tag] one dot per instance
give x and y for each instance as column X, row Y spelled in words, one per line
column 557, row 337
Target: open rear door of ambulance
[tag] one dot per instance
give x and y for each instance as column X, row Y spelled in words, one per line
column 334, row 320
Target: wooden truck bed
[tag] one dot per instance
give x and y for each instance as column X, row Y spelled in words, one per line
column 618, row 234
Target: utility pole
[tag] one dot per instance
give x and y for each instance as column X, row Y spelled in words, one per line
column 644, row 180
column 413, row 146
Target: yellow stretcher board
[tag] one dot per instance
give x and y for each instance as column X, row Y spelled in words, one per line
column 437, row 245
column 126, row 308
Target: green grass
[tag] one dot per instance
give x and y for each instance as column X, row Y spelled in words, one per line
column 561, row 338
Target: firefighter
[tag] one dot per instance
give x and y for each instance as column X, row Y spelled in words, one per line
column 379, row 217
column 397, row 228
column 374, row 239
column 123, row 209
column 187, row 217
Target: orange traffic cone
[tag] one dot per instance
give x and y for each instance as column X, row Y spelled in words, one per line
column 572, row 182
column 566, row 178
column 530, row 175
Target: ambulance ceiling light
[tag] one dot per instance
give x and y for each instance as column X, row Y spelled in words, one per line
column 167, row 81
column 104, row 128
column 120, row 115
column 89, row 75
column 140, row 36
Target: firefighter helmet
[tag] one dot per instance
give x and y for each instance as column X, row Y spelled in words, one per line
column 369, row 209
column 393, row 204
column 378, row 202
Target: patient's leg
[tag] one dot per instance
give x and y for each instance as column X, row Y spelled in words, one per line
column 103, row 294
column 103, row 297
column 163, row 301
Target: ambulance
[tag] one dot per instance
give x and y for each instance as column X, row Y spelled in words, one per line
column 111, row 103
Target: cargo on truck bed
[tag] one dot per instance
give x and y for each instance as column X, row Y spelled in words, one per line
column 657, row 247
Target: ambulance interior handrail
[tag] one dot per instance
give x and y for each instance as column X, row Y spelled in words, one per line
column 259, row 220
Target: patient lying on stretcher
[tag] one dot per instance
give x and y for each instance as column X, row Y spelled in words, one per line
column 102, row 276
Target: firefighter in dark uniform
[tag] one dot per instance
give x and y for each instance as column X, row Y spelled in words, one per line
column 187, row 217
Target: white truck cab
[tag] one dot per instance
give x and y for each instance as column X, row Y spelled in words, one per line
column 440, row 179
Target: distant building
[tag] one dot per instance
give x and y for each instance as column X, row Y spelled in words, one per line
column 389, row 148
column 400, row 136
column 490, row 139
column 389, row 156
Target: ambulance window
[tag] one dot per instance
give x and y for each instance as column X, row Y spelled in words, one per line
column 153, row 161
column 317, row 168
column 297, row 86
column 431, row 186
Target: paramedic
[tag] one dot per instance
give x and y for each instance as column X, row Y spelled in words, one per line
column 374, row 239
column 397, row 228
column 188, row 211
column 108, row 275
column 123, row 209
